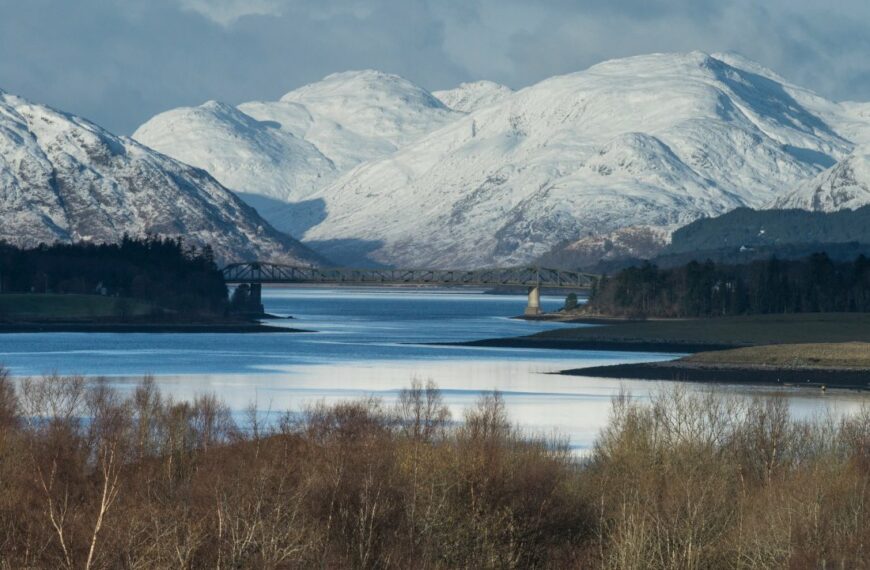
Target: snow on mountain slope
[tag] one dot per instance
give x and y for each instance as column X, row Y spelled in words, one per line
column 469, row 97
column 63, row 178
column 656, row 140
column 854, row 122
column 381, row 109
column 287, row 149
column 850, row 120
column 239, row 150
column 846, row 185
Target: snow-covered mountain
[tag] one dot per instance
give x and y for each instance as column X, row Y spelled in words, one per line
column 852, row 122
column 846, row 185
column 63, row 178
column 379, row 168
column 285, row 150
column 469, row 97
column 656, row 140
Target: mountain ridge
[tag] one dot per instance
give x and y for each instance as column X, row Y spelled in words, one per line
column 652, row 140
column 468, row 97
column 285, row 150
column 387, row 173
column 64, row 178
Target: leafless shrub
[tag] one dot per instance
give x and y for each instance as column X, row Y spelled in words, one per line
column 89, row 479
column 9, row 412
column 421, row 412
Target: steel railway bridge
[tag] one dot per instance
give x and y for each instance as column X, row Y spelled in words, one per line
column 256, row 274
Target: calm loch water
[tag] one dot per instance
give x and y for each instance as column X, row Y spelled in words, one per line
column 368, row 342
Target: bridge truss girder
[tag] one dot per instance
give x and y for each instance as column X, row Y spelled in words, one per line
column 263, row 273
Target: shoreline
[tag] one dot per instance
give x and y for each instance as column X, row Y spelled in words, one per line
column 760, row 375
column 814, row 349
column 614, row 345
column 155, row 328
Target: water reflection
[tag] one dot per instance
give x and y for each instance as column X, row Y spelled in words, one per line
column 540, row 401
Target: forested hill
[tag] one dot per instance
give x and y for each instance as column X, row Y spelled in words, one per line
column 173, row 277
column 813, row 284
column 749, row 228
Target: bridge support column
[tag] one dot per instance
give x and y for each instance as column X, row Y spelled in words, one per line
column 256, row 297
column 533, row 309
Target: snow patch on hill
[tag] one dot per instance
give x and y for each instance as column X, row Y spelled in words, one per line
column 470, row 97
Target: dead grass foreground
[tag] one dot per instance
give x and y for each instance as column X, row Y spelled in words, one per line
column 89, row 479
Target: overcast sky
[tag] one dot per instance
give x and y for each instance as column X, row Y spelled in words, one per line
column 118, row 62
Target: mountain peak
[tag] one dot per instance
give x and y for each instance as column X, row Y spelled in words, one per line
column 218, row 106
column 472, row 96
column 370, row 85
column 274, row 152
column 363, row 74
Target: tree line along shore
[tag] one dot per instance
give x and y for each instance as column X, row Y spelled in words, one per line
column 815, row 284
column 697, row 480
column 818, row 308
column 148, row 284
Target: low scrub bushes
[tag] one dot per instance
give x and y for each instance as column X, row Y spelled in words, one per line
column 89, row 479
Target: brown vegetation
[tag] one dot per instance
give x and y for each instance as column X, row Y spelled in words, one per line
column 92, row 480
column 813, row 355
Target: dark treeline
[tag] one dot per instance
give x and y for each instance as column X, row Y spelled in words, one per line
column 813, row 284
column 689, row 481
column 765, row 228
column 173, row 276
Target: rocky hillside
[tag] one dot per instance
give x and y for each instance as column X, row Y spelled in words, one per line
column 625, row 244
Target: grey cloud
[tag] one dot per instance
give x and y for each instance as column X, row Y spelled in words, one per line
column 120, row 61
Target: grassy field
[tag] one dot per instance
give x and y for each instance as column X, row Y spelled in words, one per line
column 48, row 307
column 735, row 331
column 820, row 355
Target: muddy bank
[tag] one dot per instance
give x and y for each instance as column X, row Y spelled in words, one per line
column 616, row 345
column 725, row 331
column 679, row 370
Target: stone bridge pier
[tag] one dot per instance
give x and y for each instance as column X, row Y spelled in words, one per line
column 533, row 308
column 256, row 297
